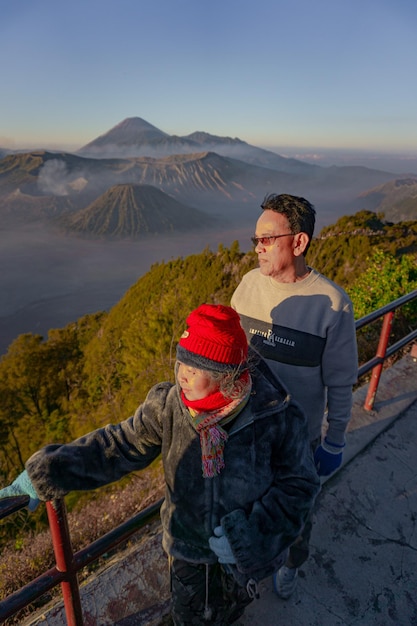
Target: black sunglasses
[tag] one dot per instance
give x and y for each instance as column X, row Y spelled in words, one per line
column 269, row 239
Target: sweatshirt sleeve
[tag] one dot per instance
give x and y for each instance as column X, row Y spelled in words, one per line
column 101, row 456
column 340, row 372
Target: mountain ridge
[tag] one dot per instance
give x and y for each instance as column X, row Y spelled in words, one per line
column 223, row 177
column 396, row 198
column 135, row 136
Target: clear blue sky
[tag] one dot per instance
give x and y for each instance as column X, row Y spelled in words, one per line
column 329, row 73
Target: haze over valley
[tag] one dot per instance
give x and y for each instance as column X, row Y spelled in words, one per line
column 78, row 229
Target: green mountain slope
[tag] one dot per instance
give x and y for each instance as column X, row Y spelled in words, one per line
column 99, row 368
column 341, row 251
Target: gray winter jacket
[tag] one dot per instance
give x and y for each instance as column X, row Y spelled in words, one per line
column 261, row 498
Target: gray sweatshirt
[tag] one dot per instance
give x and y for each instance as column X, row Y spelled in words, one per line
column 306, row 332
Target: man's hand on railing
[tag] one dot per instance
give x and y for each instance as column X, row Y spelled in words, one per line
column 22, row 486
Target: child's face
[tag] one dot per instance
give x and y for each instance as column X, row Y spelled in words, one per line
column 195, row 384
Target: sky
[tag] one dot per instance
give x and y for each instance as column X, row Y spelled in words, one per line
column 275, row 73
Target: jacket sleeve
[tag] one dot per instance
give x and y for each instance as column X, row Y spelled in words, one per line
column 259, row 536
column 104, row 455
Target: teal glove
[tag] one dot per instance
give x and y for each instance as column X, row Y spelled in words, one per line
column 328, row 457
column 220, row 545
column 22, row 486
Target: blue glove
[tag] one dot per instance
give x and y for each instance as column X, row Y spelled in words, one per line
column 22, row 487
column 220, row 545
column 328, row 457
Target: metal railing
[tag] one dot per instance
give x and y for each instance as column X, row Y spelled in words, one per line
column 68, row 564
column 383, row 351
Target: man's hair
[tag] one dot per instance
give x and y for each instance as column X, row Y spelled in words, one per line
column 299, row 212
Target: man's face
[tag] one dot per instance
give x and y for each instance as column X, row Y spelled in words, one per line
column 276, row 259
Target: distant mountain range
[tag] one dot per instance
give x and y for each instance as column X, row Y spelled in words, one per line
column 104, row 189
column 135, row 137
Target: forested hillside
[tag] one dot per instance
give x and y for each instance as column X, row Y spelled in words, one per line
column 98, row 369
column 343, row 251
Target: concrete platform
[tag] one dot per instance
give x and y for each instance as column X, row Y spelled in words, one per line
column 362, row 568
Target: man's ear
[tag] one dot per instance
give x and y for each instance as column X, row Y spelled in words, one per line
column 300, row 243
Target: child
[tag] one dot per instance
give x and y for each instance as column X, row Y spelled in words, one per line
column 240, row 478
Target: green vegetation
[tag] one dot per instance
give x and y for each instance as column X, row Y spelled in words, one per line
column 343, row 251
column 99, row 368
column 386, row 278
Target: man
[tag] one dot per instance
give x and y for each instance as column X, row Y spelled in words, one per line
column 302, row 323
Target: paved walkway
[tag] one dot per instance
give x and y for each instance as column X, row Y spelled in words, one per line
column 362, row 569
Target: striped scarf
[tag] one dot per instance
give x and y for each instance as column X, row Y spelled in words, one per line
column 209, row 425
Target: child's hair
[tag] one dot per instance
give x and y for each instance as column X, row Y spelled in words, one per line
column 232, row 383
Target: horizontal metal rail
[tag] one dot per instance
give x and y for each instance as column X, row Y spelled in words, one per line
column 54, row 576
column 69, row 564
column 383, row 351
column 396, row 347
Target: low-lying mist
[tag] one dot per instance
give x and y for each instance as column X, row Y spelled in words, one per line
column 48, row 280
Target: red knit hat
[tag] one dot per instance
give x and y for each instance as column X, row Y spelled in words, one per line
column 214, row 339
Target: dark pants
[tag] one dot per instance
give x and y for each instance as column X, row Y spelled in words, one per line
column 299, row 551
column 205, row 594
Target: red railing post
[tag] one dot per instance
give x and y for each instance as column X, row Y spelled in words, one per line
column 61, row 541
column 381, row 351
